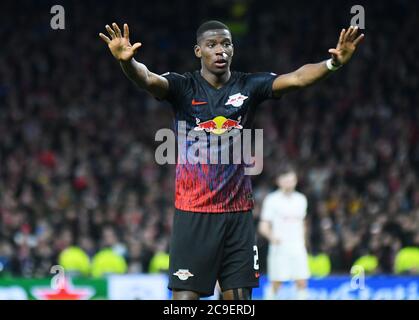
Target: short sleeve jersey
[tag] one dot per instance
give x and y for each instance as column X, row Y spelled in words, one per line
column 201, row 108
column 286, row 213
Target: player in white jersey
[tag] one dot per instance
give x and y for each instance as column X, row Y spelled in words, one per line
column 282, row 223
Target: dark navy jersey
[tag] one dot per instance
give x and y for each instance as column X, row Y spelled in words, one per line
column 207, row 186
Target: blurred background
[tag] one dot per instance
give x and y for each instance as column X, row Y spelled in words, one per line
column 79, row 185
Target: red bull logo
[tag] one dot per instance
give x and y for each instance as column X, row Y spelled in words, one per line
column 196, row 146
column 218, row 125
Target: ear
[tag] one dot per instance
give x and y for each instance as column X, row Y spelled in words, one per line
column 197, row 50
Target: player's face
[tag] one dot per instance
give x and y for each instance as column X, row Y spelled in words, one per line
column 288, row 181
column 215, row 49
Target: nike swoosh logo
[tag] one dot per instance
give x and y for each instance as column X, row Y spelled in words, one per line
column 198, row 103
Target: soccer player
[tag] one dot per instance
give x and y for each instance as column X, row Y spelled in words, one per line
column 213, row 234
column 282, row 223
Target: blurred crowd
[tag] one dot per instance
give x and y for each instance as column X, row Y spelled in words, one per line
column 77, row 142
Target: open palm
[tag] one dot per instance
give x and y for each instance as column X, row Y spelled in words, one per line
column 346, row 46
column 120, row 46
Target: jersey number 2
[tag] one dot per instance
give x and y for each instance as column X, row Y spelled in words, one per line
column 256, row 258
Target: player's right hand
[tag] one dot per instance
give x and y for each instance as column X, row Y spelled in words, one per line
column 119, row 44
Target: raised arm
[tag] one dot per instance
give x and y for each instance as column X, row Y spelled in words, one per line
column 311, row 73
column 122, row 49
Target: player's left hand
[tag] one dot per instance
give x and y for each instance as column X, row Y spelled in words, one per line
column 346, row 46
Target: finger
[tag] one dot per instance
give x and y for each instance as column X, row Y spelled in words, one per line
column 352, row 35
column 136, row 46
column 359, row 39
column 342, row 33
column 104, row 38
column 110, row 31
column 126, row 31
column 347, row 33
column 334, row 51
column 117, row 30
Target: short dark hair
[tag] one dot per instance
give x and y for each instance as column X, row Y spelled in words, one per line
column 286, row 168
column 210, row 25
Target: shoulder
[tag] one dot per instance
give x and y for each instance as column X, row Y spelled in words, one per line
column 259, row 76
column 300, row 196
column 178, row 76
column 179, row 84
column 253, row 77
column 272, row 196
column 260, row 83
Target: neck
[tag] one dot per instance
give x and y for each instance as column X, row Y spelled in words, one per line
column 287, row 192
column 216, row 80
